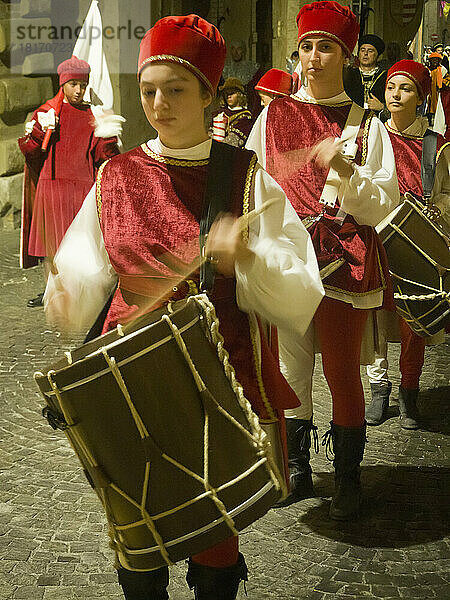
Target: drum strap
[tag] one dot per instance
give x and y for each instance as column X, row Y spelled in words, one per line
column 217, row 199
column 428, row 163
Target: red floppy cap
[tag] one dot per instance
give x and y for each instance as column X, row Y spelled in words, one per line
column 189, row 41
column 276, row 81
column 418, row 73
column 330, row 19
column 73, row 68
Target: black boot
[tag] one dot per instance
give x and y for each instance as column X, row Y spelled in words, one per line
column 348, row 447
column 298, row 433
column 409, row 415
column 211, row 583
column 35, row 302
column 376, row 412
column 148, row 585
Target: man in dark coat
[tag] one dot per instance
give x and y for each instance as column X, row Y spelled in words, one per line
column 365, row 84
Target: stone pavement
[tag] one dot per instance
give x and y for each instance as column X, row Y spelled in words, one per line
column 53, row 538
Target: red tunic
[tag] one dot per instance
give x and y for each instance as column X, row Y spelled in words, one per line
column 408, row 156
column 65, row 174
column 150, row 208
column 292, row 128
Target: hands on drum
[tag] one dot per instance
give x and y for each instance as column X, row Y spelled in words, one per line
column 225, row 245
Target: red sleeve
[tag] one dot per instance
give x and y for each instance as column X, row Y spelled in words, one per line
column 30, row 146
column 103, row 149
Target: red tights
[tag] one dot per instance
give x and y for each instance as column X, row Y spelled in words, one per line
column 340, row 328
column 224, row 554
column 411, row 356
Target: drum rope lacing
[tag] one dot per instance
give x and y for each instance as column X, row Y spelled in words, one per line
column 256, row 436
column 423, row 297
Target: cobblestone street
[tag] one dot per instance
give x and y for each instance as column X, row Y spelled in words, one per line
column 53, row 535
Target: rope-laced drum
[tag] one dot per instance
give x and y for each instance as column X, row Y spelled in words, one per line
column 165, row 435
column 417, row 245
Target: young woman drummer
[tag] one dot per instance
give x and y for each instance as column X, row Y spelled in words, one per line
column 340, row 199
column 408, row 85
column 150, row 201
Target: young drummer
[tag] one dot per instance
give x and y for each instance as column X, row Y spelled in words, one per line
column 340, row 200
column 57, row 180
column 408, row 85
column 150, row 203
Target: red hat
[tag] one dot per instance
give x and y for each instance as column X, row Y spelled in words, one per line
column 189, row 41
column 330, row 19
column 415, row 71
column 73, row 68
column 276, row 81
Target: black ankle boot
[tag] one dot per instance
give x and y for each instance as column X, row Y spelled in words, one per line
column 298, row 433
column 149, row 585
column 35, row 302
column 348, row 447
column 376, row 412
column 407, row 401
column 211, row 583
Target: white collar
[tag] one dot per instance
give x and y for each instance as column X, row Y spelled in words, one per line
column 416, row 129
column 199, row 152
column 303, row 94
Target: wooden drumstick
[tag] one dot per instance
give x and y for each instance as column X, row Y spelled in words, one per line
column 243, row 222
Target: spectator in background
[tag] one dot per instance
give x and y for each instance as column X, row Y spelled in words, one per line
column 365, row 84
column 437, row 76
column 247, row 71
column 292, row 62
column 234, row 122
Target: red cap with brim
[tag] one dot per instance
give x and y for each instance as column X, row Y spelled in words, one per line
column 189, row 41
column 275, row 81
column 73, row 68
column 416, row 72
column 330, row 20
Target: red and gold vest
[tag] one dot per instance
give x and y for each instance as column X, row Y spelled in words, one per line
column 293, row 127
column 408, row 157
column 150, row 207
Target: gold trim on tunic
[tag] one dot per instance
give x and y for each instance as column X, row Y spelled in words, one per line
column 174, row 162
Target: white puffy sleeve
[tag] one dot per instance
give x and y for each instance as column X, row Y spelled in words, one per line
column 371, row 193
column 256, row 141
column 281, row 282
column 83, row 277
column 441, row 189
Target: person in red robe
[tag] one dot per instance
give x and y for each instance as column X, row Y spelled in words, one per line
column 145, row 212
column 335, row 163
column 58, row 179
column 408, row 85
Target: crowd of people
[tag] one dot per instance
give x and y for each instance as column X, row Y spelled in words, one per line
column 336, row 142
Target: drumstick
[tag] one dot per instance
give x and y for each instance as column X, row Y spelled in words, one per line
column 243, row 222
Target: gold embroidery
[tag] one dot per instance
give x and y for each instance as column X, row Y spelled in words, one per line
column 313, row 101
column 405, row 135
column 440, row 150
column 378, row 289
column 98, row 188
column 365, row 139
column 247, row 188
column 173, row 161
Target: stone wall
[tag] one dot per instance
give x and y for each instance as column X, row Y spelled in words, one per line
column 22, row 89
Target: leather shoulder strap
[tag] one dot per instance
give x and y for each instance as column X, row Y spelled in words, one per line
column 428, row 163
column 217, row 199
